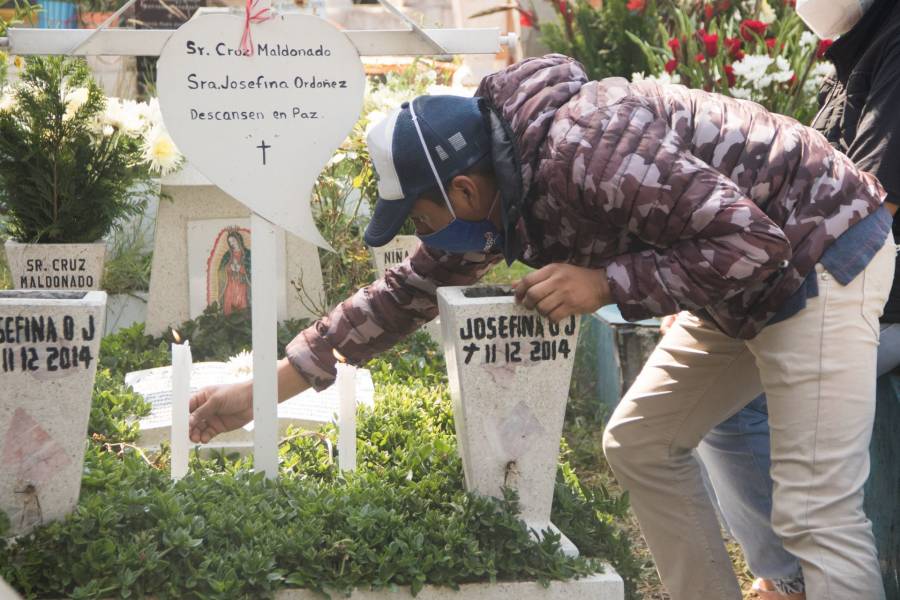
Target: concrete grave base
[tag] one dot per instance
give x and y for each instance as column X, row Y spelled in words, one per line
column 602, row 586
column 56, row 266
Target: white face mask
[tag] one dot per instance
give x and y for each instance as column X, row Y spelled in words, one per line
column 830, row 18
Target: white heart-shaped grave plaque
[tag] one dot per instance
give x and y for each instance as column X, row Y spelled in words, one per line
column 261, row 126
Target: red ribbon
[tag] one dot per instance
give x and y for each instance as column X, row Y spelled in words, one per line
column 250, row 17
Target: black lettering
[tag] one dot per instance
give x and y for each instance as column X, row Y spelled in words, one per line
column 68, row 328
column 65, row 358
column 52, row 336
column 470, row 351
column 514, row 355
column 88, row 334
column 52, row 356
column 535, row 351
column 465, row 333
column 491, row 328
column 554, row 329
column 479, row 328
column 539, row 328
column 37, row 328
column 32, row 360
column 570, row 327
column 85, row 356
column 502, row 331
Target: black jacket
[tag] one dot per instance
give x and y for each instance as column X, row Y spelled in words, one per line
column 860, row 112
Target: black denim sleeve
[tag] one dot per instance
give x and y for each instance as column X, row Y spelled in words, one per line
column 876, row 147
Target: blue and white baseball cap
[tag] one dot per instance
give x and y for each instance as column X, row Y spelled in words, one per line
column 419, row 147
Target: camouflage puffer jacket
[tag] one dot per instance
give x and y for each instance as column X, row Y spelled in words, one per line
column 689, row 200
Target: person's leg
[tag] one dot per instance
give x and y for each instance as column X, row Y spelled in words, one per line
column 736, row 456
column 818, row 371
column 696, row 377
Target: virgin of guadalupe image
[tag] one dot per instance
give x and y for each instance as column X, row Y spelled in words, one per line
column 234, row 275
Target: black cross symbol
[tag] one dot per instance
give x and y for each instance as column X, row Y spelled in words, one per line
column 263, row 147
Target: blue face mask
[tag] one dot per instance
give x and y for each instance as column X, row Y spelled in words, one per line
column 459, row 236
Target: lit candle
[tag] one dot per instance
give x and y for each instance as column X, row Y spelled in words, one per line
column 181, row 393
column 346, row 388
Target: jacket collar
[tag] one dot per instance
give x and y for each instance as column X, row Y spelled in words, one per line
column 847, row 49
column 520, row 103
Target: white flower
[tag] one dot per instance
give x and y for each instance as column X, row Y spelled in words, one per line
column 766, row 14
column 74, row 100
column 741, row 93
column 126, row 116
column 108, row 130
column 7, row 101
column 785, row 73
column 808, row 39
column 637, row 77
column 160, row 151
column 241, row 365
column 754, row 68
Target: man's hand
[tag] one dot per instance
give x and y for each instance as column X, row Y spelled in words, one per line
column 559, row 291
column 220, row 408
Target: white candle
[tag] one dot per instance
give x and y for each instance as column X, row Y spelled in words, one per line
column 346, row 388
column 181, row 393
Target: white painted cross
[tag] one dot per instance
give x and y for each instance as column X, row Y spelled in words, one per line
column 261, row 127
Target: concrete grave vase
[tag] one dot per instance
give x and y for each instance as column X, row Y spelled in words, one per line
column 56, row 266
column 49, row 342
column 509, row 370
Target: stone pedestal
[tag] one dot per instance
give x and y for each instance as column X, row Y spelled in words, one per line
column 192, row 199
column 509, row 370
column 49, row 342
column 56, row 266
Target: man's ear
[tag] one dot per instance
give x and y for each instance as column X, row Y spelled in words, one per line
column 465, row 195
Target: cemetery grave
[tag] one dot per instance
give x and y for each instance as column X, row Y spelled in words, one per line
column 368, row 499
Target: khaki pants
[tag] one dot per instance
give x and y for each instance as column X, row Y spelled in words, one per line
column 818, row 372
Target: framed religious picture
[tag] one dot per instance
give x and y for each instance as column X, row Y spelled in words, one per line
column 220, row 267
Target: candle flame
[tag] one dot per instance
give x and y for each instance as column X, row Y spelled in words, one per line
column 176, row 336
column 339, row 357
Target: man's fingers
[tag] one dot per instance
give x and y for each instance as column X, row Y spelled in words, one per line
column 535, row 277
column 204, row 409
column 560, row 313
column 537, row 293
column 552, row 301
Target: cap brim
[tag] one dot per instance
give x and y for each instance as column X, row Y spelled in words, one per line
column 387, row 219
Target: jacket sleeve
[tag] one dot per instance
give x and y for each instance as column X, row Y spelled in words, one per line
column 876, row 145
column 381, row 314
column 704, row 240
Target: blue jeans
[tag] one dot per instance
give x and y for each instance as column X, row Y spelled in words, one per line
column 736, row 457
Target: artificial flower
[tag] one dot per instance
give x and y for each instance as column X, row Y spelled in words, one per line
column 160, row 151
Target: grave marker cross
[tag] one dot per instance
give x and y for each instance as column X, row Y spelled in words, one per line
column 410, row 42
